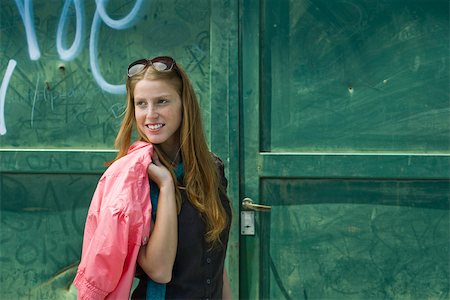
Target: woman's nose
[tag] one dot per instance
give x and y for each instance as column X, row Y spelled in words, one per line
column 152, row 112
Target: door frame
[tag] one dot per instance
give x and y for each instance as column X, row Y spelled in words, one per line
column 224, row 118
column 249, row 46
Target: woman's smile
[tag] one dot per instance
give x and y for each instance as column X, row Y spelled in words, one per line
column 155, row 127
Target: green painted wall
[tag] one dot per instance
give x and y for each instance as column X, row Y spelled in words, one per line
column 77, row 102
column 63, row 67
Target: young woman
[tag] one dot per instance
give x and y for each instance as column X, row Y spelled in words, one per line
column 183, row 257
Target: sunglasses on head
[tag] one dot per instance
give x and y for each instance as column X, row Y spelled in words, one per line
column 160, row 64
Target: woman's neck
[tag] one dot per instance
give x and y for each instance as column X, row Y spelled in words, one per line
column 173, row 154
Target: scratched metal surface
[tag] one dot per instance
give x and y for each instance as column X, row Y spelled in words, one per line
column 350, row 76
column 42, row 221
column 67, row 67
column 346, row 135
column 357, row 239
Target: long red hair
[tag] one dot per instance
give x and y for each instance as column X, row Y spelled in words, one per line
column 201, row 178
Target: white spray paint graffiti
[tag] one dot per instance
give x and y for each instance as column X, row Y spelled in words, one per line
column 75, row 49
column 26, row 12
column 5, row 82
column 123, row 23
column 25, row 8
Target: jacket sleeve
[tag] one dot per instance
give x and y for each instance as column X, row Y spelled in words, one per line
column 104, row 254
column 113, row 230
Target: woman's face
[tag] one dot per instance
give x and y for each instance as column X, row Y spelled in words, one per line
column 158, row 113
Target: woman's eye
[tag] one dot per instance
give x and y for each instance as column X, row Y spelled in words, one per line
column 162, row 101
column 140, row 103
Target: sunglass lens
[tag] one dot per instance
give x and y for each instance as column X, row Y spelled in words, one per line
column 133, row 70
column 160, row 66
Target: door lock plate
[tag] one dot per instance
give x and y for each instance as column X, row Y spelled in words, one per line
column 247, row 222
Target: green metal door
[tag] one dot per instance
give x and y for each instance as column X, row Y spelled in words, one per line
column 345, row 134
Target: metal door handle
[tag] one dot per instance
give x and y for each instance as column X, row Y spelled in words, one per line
column 247, row 203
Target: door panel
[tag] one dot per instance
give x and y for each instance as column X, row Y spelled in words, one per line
column 343, row 138
column 41, row 234
column 353, row 239
column 354, row 76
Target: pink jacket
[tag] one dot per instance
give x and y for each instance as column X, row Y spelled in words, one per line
column 118, row 223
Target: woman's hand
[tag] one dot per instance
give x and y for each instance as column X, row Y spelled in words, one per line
column 158, row 173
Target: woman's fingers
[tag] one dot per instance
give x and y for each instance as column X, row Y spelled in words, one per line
column 158, row 172
column 155, row 159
